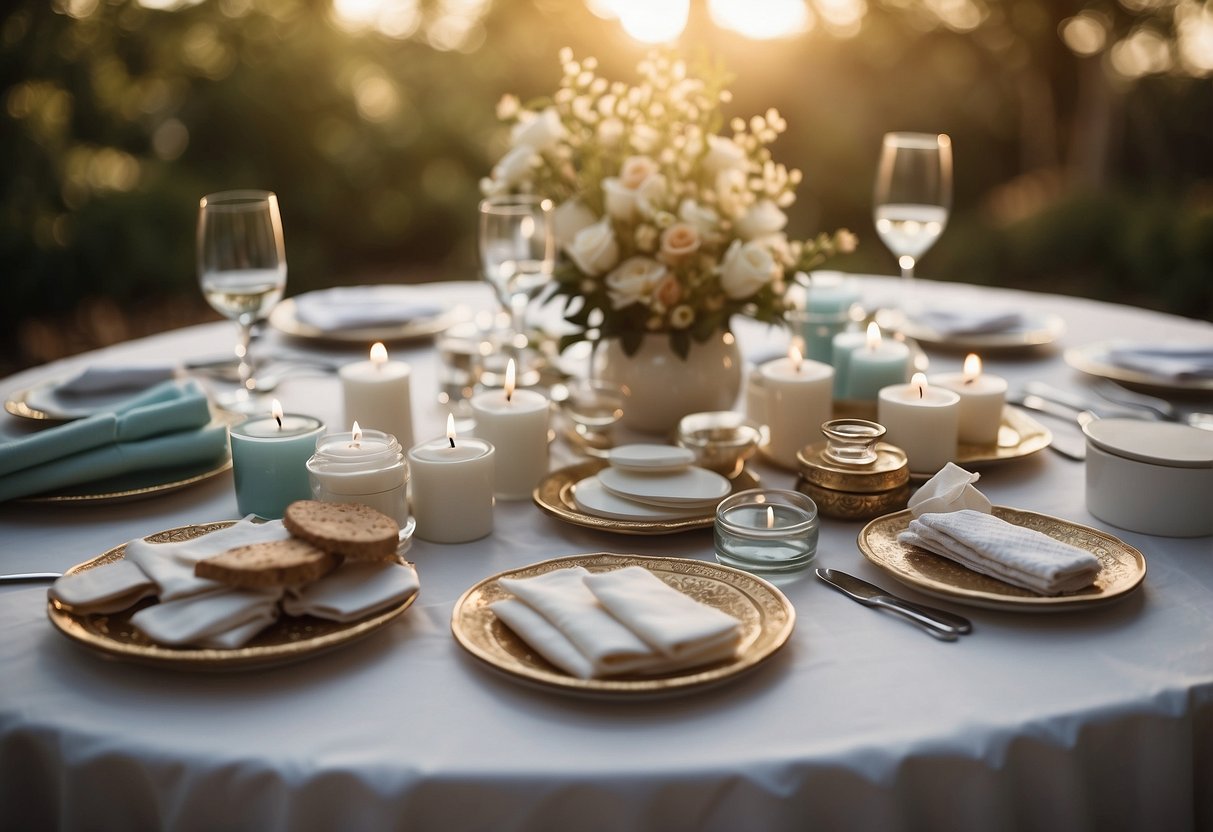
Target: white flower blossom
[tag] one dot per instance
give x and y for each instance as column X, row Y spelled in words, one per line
column 594, row 248
column 540, row 131
column 516, row 167
column 634, row 281
column 762, row 218
column 569, row 218
column 746, row 268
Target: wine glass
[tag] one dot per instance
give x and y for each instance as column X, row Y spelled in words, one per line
column 241, row 269
column 517, row 253
column 913, row 195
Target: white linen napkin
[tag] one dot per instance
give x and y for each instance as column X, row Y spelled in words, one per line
column 543, row 638
column 107, row 379
column 1174, row 361
column 671, row 622
column 171, row 565
column 949, row 490
column 952, row 321
column 227, row 617
column 989, row 545
column 356, row 307
column 107, row 588
column 353, row 590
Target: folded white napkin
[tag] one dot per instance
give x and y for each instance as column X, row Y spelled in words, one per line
column 1020, row 556
column 107, row 379
column 949, row 490
column 1174, row 361
column 225, row 617
column 171, row 565
column 354, row 590
column 102, row 589
column 671, row 622
column 543, row 638
column 951, row 321
column 356, row 307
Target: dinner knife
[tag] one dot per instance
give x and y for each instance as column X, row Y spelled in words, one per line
column 29, row 577
column 943, row 625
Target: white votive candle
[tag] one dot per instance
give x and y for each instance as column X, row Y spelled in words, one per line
column 877, row 364
column 377, row 395
column 516, row 423
column 799, row 398
column 364, row 467
column 922, row 421
column 982, row 397
column 452, row 487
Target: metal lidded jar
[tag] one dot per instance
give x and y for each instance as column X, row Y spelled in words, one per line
column 853, row 475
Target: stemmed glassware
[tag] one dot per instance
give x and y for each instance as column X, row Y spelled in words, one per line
column 913, row 194
column 241, row 269
column 517, row 254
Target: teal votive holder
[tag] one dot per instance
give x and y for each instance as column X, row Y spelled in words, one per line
column 768, row 532
column 269, row 462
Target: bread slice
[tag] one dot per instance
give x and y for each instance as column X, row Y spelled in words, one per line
column 351, row 529
column 274, row 563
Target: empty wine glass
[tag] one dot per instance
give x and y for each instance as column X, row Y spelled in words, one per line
column 517, row 253
column 241, row 269
column 913, row 194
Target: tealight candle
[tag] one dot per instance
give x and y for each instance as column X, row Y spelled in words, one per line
column 923, row 421
column 269, row 461
column 364, row 467
column 377, row 394
column 828, row 300
column 516, row 423
column 768, row 532
column 452, row 487
column 799, row 397
column 982, row 397
column 879, row 363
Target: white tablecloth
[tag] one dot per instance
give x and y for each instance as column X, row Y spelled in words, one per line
column 1101, row 719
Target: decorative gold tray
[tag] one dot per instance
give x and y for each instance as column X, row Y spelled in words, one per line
column 767, row 619
column 1019, row 435
column 554, row 496
column 284, row 318
column 287, row 640
column 1123, row 567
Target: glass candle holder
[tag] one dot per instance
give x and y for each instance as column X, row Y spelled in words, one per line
column 769, row 532
column 367, row 467
column 591, row 409
column 461, row 362
column 722, row 440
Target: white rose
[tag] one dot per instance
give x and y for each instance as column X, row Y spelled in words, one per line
column 594, row 248
column 705, row 220
column 620, row 200
column 650, row 194
column 679, row 242
column 515, row 167
column 731, row 193
column 723, row 154
column 570, row 217
column 746, row 268
column 539, row 131
column 763, row 218
column 634, row 281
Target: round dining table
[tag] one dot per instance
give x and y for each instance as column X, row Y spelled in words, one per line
column 1096, row 718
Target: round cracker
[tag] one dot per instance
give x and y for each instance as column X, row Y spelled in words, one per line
column 351, row 529
column 273, row 563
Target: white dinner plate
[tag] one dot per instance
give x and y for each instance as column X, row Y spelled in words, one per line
column 592, row 498
column 1037, row 329
column 285, row 319
column 689, row 487
column 1092, row 359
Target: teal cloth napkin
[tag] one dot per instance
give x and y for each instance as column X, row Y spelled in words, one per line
column 184, row 447
column 159, row 411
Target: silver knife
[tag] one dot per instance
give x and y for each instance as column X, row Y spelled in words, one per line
column 943, row 625
column 29, row 577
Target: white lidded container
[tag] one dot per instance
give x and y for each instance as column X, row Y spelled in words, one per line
column 1151, row 477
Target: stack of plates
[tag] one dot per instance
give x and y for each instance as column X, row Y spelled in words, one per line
column 650, row 482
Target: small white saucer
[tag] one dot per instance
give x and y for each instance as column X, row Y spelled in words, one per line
column 651, row 459
column 689, row 487
column 592, row 498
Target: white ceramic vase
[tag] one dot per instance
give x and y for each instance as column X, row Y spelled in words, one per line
column 662, row 388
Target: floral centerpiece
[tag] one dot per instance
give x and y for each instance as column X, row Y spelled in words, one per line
column 666, row 224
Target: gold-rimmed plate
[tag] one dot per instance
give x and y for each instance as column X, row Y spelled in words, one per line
column 287, row 640
column 41, row 404
column 285, row 319
column 136, row 485
column 1122, row 568
column 1019, row 436
column 766, row 616
column 1037, row 330
column 554, row 496
column 1093, row 360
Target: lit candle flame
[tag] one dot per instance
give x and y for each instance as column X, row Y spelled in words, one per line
column 770, row 517
column 276, row 410
column 510, row 374
column 450, row 428
column 378, row 354
column 356, row 434
column 873, row 336
column 796, row 357
column 918, row 383
column 972, row 368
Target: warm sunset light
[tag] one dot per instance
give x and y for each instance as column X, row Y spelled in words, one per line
column 762, row 19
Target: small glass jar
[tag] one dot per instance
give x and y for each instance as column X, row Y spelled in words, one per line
column 853, row 475
column 722, row 440
column 770, row 532
column 368, row 468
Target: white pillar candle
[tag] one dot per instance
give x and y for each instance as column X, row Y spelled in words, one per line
column 364, row 467
column 799, row 398
column 516, row 423
column 377, row 395
column 922, row 421
column 452, row 487
column 879, row 363
column 982, row 397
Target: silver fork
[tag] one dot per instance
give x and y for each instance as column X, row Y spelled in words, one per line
column 1160, row 408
